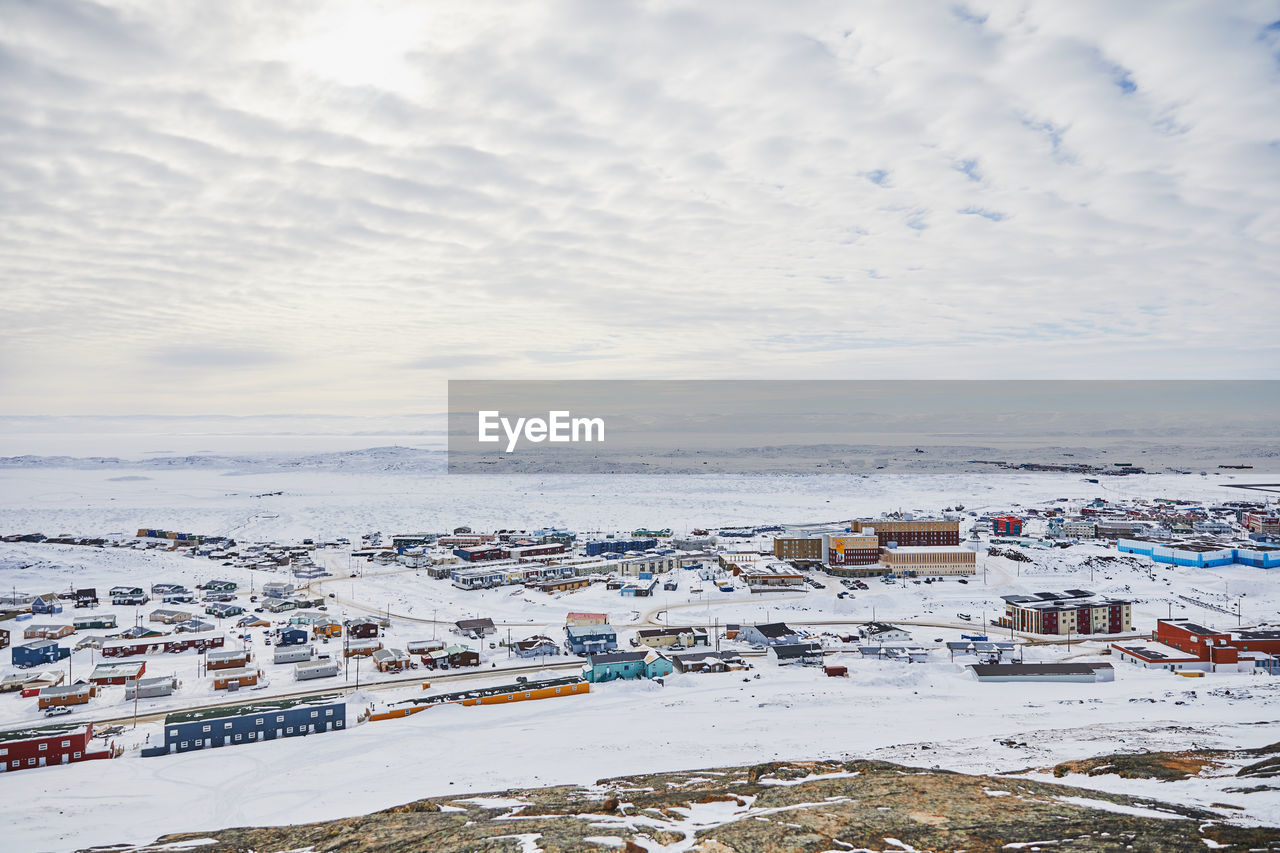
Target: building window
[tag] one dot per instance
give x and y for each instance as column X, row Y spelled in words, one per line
column 315, row 713
column 226, row 725
column 75, row 755
column 329, row 712
column 280, row 719
column 43, row 747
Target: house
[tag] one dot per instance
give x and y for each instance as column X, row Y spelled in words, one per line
column 129, row 600
column 86, row 597
column 476, row 629
column 277, row 589
column 708, row 661
column 38, row 653
column 319, row 668
column 219, row 586
column 193, row 626
column 658, row 638
column 227, row 659
column 150, row 688
column 234, row 679
column 206, row 728
column 167, row 589
column 278, row 605
column 251, row 621
column 392, row 660
column 806, row 653
column 46, row 604
column 770, row 634
column 169, row 617
column 451, row 657
column 47, row 632
column 125, row 590
column 590, row 639
column 41, row 746
column 288, row 636
column 612, row 666
column 901, row 654
column 117, row 673
column 223, row 610
column 422, row 647
column 574, row 618
column 31, row 681
column 97, row 620
column 326, row 627
column 988, row 650
column 4, row 638
column 535, row 646
column 1043, row 672
column 362, row 628
column 882, row 632
column 70, row 694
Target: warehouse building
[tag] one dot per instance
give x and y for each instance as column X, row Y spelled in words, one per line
column 1043, row 672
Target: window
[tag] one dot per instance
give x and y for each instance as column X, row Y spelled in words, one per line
column 184, row 744
column 226, row 725
column 329, row 712
column 315, row 713
column 43, row 747
column 207, row 728
column 76, row 755
column 280, row 719
column 31, row 762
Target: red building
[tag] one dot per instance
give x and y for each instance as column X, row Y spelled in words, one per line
column 166, row 643
column 1007, row 525
column 1202, row 643
column 1076, row 611
column 21, row 749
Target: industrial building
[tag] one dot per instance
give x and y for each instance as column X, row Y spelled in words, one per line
column 1043, row 672
column 1202, row 554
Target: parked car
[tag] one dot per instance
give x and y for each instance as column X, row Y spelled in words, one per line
column 57, row 711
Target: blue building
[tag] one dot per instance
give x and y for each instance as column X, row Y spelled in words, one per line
column 292, row 637
column 590, row 639
column 207, row 728
column 46, row 604
column 38, row 653
column 626, row 665
column 1201, row 556
column 618, row 546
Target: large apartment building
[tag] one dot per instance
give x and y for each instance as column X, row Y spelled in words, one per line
column 913, row 532
column 1076, row 611
column 806, row 549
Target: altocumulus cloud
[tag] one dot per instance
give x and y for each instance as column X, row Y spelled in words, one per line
column 320, row 204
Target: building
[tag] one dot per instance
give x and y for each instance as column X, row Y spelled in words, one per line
column 1043, row 672
column 68, row 694
column 911, row 532
column 626, row 665
column 277, row 589
column 928, row 561
column 1265, row 523
column 46, row 604
column 292, row 636
column 223, row 610
column 769, row 634
column 1076, row 611
column 292, row 654
column 320, row 668
column 535, row 646
column 849, row 554
column 618, row 546
column 590, row 639
column 807, row 653
column 47, row 632
column 1080, row 529
column 451, row 657
column 207, row 728
column 391, row 660
column 1202, row 554
column 171, row 617
column 362, row 628
column 97, row 620
column 42, row 746
column 228, row 659
column 1182, row 645
column 882, row 632
column 151, row 688
column 658, row 638
column 39, row 653
column 1006, row 525
column 4, row 638
column 362, row 649
column 798, row 549
column 117, row 673
column 777, row 577
column 573, row 618
column 234, row 679
column 161, row 644
column 708, row 661
column 476, row 629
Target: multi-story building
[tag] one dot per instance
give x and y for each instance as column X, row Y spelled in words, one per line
column 228, row 725
column 928, row 561
column 851, row 554
column 41, row 746
column 922, row 531
column 1180, row 644
column 1006, row 525
column 1076, row 611
column 1262, row 522
column 803, row 549
column 1080, row 529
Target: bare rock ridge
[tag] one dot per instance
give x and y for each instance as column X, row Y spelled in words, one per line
column 779, row 806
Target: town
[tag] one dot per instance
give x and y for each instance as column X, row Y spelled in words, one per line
column 222, row 649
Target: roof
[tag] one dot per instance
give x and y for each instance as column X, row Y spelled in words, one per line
column 796, row 650
column 263, row 707
column 589, row 630
column 617, row 657
column 774, row 629
column 1037, row 668
column 107, row 670
column 10, row 735
column 1192, row 627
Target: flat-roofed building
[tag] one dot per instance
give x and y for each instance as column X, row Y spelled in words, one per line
column 929, row 560
column 922, row 531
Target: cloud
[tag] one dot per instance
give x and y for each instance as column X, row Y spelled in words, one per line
column 309, row 196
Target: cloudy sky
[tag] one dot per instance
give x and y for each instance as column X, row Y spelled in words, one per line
column 250, row 207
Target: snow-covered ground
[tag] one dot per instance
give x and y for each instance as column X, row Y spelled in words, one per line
column 885, row 709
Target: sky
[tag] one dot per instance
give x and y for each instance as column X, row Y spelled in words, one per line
column 336, row 206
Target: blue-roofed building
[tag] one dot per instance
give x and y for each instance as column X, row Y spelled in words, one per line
column 590, row 639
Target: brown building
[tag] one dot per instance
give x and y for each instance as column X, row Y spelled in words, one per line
column 850, row 554
column 802, row 548
column 927, row 562
column 924, row 531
